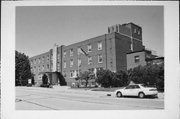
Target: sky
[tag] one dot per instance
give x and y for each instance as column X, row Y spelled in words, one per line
column 38, row 28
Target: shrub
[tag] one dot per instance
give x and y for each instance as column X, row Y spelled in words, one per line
column 110, row 79
column 149, row 75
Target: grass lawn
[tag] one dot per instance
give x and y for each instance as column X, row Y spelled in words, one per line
column 106, row 89
column 98, row 89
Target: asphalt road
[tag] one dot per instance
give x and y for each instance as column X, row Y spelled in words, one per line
column 33, row 98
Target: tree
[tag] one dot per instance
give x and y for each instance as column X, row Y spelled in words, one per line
column 85, row 76
column 111, row 79
column 121, row 79
column 148, row 74
column 22, row 69
column 160, row 79
column 105, row 77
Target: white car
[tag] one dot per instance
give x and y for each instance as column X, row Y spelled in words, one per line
column 139, row 90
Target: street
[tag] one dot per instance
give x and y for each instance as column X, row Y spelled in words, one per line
column 63, row 98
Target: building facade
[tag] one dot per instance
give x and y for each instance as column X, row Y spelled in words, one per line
column 143, row 57
column 108, row 51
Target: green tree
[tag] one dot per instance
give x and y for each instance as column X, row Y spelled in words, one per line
column 22, row 69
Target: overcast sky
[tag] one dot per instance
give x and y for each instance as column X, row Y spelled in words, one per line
column 39, row 28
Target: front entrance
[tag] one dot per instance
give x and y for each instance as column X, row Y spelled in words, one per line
column 44, row 79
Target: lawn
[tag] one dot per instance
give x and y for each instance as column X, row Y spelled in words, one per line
column 106, row 89
column 99, row 89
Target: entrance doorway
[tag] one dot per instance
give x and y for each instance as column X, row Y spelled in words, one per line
column 44, row 79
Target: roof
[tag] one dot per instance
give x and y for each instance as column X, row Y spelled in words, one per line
column 155, row 58
column 139, row 51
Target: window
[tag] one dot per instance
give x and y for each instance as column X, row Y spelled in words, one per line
column 58, row 56
column 78, row 51
column 47, row 58
column 64, row 73
column 51, row 66
column 64, row 54
column 51, row 57
column 136, row 59
column 39, row 68
column 79, row 62
column 43, row 59
column 71, row 52
column 64, row 64
column 35, row 61
column 47, row 66
column 39, row 60
column 79, row 72
column 136, row 86
column 139, row 32
column 76, row 74
column 58, row 67
column 71, row 62
column 129, row 87
column 34, row 68
column 134, row 30
column 132, row 87
column 116, row 28
column 89, row 60
column 110, row 43
column 108, row 30
column 89, row 48
column 131, row 46
column 43, row 68
column 71, row 73
column 99, row 45
column 100, row 60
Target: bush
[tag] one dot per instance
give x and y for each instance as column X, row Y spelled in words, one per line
column 46, row 85
column 149, row 75
column 104, row 78
column 110, row 79
column 85, row 77
column 121, row 80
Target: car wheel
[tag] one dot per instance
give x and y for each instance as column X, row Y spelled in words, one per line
column 119, row 94
column 141, row 95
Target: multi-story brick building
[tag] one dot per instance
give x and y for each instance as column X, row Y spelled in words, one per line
column 106, row 51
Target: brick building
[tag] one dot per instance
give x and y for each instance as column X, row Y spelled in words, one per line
column 107, row 51
column 142, row 57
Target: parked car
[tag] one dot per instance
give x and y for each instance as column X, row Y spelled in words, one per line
column 139, row 90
